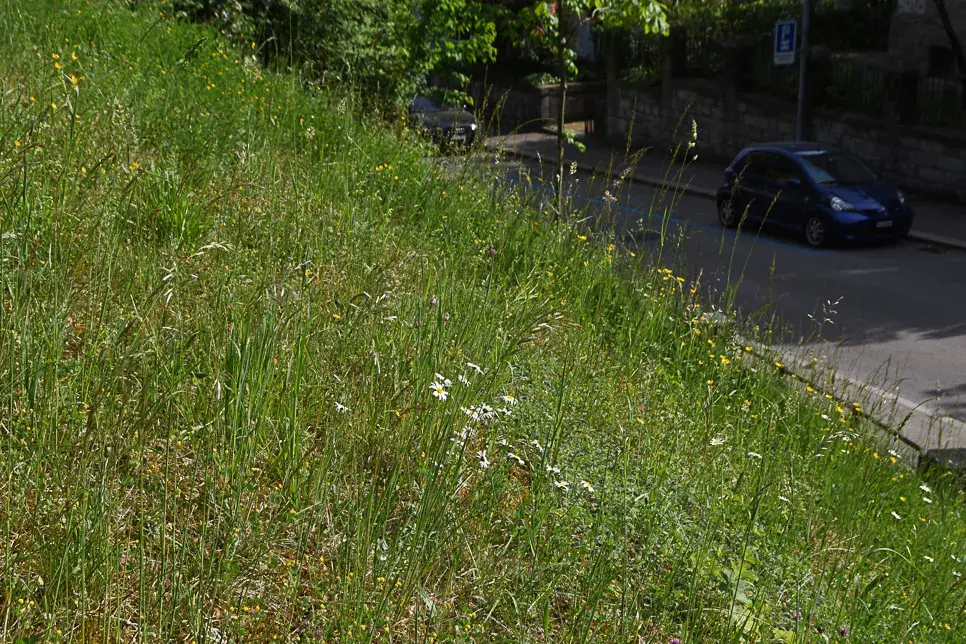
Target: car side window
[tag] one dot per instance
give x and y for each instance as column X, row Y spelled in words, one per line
column 781, row 169
column 754, row 165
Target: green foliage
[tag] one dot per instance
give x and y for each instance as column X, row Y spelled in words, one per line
column 542, row 28
column 383, row 49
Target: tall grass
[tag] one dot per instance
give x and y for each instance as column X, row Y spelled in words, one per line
column 267, row 374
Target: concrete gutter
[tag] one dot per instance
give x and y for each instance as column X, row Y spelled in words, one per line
column 659, row 182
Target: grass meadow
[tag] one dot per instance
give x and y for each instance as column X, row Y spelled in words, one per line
column 268, row 374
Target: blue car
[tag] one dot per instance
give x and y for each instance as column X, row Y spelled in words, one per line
column 823, row 193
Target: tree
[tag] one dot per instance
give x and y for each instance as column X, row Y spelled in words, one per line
column 954, row 42
column 452, row 35
column 554, row 25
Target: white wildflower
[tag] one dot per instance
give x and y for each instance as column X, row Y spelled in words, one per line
column 784, row 498
column 475, row 368
column 339, row 407
column 446, row 382
column 537, row 445
column 896, row 516
column 463, row 380
column 754, row 455
column 484, row 462
column 925, row 488
column 928, row 558
column 893, row 453
column 510, row 400
column 514, row 457
column 553, row 469
column 956, row 574
column 503, row 442
column 504, row 411
column 927, row 499
column 439, row 390
column 561, row 485
column 717, row 441
column 587, row 486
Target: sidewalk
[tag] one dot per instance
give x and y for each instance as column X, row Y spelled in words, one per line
column 936, row 222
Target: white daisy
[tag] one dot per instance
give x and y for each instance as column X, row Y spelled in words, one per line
column 446, row 382
column 553, row 470
column 561, row 485
column 587, row 486
column 510, row 400
column 439, row 390
column 514, row 457
column 463, row 379
column 925, row 488
column 484, row 462
column 475, row 368
column 717, row 441
column 339, row 407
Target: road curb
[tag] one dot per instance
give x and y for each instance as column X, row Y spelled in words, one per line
column 914, row 235
column 887, row 425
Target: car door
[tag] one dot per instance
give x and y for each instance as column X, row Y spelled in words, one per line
column 749, row 187
column 789, row 191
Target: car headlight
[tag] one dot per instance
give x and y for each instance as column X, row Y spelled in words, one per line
column 902, row 197
column 840, row 204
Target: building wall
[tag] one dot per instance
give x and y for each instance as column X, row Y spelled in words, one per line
column 914, row 157
column 916, row 27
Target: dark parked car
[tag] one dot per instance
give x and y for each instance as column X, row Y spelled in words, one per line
column 824, row 193
column 447, row 124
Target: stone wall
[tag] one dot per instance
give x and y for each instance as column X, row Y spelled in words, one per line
column 914, row 157
column 528, row 107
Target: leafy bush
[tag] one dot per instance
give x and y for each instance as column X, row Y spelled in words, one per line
column 383, row 49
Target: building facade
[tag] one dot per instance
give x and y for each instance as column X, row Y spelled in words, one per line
column 917, row 40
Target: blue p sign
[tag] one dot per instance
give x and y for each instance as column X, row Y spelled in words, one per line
column 784, row 49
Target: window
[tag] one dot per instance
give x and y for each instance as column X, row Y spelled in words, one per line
column 836, row 168
column 753, row 164
column 781, row 168
column 941, row 61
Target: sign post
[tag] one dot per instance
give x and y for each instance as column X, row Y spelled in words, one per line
column 803, row 71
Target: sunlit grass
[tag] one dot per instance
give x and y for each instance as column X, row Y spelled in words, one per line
column 268, row 374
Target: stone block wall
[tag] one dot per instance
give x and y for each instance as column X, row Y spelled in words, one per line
column 536, row 107
column 914, row 157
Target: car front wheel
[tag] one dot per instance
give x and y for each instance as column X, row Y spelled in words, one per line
column 816, row 231
column 727, row 213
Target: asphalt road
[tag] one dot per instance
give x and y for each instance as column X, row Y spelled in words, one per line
column 892, row 316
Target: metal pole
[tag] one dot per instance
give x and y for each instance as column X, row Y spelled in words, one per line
column 803, row 71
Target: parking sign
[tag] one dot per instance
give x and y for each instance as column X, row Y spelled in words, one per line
column 784, row 49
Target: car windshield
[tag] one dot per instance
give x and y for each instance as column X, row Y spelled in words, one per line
column 836, row 168
column 424, row 105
